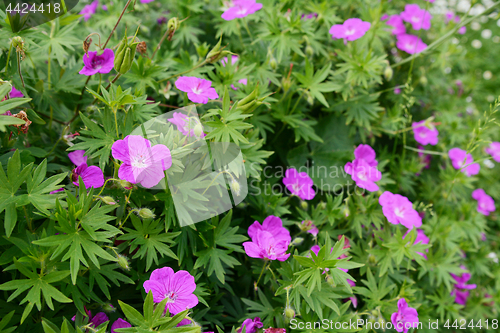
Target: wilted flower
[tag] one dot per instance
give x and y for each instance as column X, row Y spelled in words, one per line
column 89, row 10
column 177, row 288
column 419, row 18
column 94, row 63
column 119, row 323
column 350, row 30
column 398, row 209
column 458, row 156
column 421, row 238
column 241, row 8
column 251, row 325
column 405, row 317
column 410, row 44
column 265, row 246
column 425, row 133
column 273, row 225
column 494, row 151
column 396, row 22
column 300, row 184
column 199, row 90
column 485, row 203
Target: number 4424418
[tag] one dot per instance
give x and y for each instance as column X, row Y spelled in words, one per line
column 25, row 8
column 463, row 324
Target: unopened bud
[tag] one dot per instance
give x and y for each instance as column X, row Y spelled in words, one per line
column 297, row 241
column 235, row 187
column 108, row 307
column 172, row 25
column 126, row 185
column 123, row 262
column 309, row 50
column 388, row 73
column 286, row 84
column 346, row 211
column 330, row 281
column 303, row 204
column 198, row 130
column 273, row 63
column 322, row 205
column 289, row 313
column 108, row 200
column 372, row 259
column 146, row 213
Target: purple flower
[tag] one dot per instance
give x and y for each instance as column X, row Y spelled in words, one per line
column 92, row 176
column 309, row 227
column 396, row 22
column 397, row 91
column 185, row 124
column 485, row 203
column 365, row 152
column 273, row 225
column 421, row 238
column 234, row 59
column 94, row 63
column 458, row 156
column 265, row 246
column 177, row 287
column 309, row 16
column 77, row 157
column 141, row 163
column 458, row 291
column 89, row 10
column 14, row 93
column 419, row 18
column 119, row 323
column 57, row 191
column 462, row 30
column 199, row 90
column 95, row 321
column 494, row 151
column 410, row 44
column 405, row 317
column 241, row 81
column 350, row 30
column 425, row 133
column 398, row 209
column 241, row 8
column 363, row 174
column 251, row 325
column 299, row 184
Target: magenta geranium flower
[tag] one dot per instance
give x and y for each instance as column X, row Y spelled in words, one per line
column 251, row 325
column 398, row 209
column 299, row 184
column 494, row 151
column 419, row 18
column 397, row 23
column 460, row 289
column 351, row 29
column 405, row 317
column 141, row 163
column 354, row 299
column 458, row 156
column 273, row 225
column 186, row 124
column 89, row 10
column 94, row 63
column 241, row 81
column 265, row 246
column 14, row 93
column 241, row 8
column 199, row 90
column 234, row 59
column 421, row 238
column 96, row 320
column 425, row 133
column 363, row 174
column 485, row 203
column 410, row 44
column 92, row 176
column 119, row 323
column 177, row 288
column 365, row 152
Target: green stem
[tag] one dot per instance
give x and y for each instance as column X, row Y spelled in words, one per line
column 430, row 152
column 117, row 22
column 116, row 124
column 104, row 186
column 261, row 272
column 8, row 58
column 245, row 23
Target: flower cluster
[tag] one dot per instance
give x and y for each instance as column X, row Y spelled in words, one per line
column 269, row 241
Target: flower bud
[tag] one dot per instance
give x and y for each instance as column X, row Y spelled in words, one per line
column 372, row 259
column 423, row 80
column 297, row 241
column 198, row 130
column 17, row 42
column 123, row 262
column 286, row 83
column 273, row 63
column 219, row 56
column 172, row 25
column 322, row 205
column 330, row 281
column 309, row 50
column 108, row 200
column 126, row 185
column 388, row 73
column 109, row 308
column 303, row 204
column 346, row 211
column 289, row 313
column 235, row 187
column 125, row 54
column 146, row 213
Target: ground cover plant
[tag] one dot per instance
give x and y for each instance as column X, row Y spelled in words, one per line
column 250, row 166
